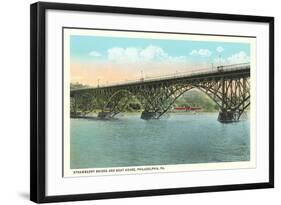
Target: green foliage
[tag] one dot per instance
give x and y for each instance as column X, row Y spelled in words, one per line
column 82, row 104
column 196, row 98
column 133, row 105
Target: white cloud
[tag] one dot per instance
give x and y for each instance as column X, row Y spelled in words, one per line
column 240, row 57
column 119, row 54
column 94, row 54
column 153, row 53
column 219, row 49
column 201, row 52
column 150, row 53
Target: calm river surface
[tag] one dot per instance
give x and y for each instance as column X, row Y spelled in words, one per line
column 178, row 139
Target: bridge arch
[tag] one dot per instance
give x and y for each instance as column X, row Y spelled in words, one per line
column 118, row 101
column 231, row 103
column 156, row 105
column 229, row 88
column 171, row 98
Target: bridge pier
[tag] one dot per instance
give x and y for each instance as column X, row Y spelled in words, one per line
column 105, row 115
column 148, row 115
column 228, row 116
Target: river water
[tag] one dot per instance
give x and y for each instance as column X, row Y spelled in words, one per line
column 177, row 139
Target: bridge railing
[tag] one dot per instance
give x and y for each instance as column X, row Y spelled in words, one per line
column 196, row 72
column 210, row 70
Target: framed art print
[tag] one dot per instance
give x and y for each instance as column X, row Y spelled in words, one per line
column 129, row 102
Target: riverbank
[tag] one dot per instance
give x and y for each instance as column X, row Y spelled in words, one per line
column 94, row 115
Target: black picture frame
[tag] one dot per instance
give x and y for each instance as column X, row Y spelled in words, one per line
column 38, row 100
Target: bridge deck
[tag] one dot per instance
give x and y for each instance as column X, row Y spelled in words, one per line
column 227, row 70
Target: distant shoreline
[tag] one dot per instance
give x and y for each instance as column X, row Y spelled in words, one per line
column 94, row 115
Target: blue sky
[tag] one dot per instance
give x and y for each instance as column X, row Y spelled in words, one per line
column 96, row 48
column 116, row 59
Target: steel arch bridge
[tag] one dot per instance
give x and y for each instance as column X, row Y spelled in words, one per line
column 228, row 86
